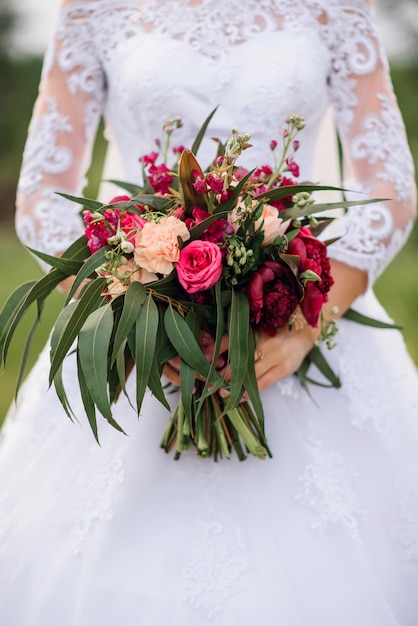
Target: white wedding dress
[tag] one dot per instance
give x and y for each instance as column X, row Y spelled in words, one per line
column 326, row 532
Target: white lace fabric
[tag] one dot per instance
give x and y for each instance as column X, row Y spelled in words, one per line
column 82, row 78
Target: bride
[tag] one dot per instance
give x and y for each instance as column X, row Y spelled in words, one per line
column 324, row 533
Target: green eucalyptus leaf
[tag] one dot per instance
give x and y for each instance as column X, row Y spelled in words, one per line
column 156, row 202
column 290, row 190
column 146, row 329
column 62, row 394
column 68, row 331
column 355, row 316
column 220, row 325
column 250, row 382
column 93, row 347
column 239, row 320
column 88, row 402
column 77, row 250
column 134, row 298
column 312, row 209
column 133, row 189
column 90, row 204
column 88, row 270
column 187, row 373
column 154, row 383
column 69, row 267
column 316, row 357
column 10, row 314
column 184, row 342
column 18, row 303
column 202, row 132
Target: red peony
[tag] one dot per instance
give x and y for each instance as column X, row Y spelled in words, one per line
column 313, row 256
column 273, row 296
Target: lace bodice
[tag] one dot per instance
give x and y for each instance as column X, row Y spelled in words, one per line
column 138, row 62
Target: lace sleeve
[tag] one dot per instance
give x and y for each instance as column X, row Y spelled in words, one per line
column 60, row 137
column 376, row 154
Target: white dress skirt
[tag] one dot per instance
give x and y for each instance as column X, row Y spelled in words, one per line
column 325, row 532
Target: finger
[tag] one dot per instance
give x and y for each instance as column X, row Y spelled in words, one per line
column 171, row 374
column 175, row 363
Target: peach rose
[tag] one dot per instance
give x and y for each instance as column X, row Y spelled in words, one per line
column 127, row 274
column 157, row 246
column 272, row 224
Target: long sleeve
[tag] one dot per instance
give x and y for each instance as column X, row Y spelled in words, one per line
column 376, row 154
column 60, row 137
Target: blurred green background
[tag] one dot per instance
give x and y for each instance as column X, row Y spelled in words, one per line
column 19, row 78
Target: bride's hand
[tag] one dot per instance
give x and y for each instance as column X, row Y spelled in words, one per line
column 277, row 357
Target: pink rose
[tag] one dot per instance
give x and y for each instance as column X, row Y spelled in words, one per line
column 199, row 266
column 157, row 245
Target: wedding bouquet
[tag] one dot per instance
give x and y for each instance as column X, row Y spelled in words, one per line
column 190, row 256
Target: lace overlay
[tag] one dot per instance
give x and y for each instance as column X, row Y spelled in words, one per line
column 88, row 495
column 329, row 491
column 107, row 52
column 213, row 571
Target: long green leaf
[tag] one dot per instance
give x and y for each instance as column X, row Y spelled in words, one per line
column 93, row 205
column 133, row 189
column 317, row 358
column 187, row 373
column 313, row 209
column 250, row 382
column 88, row 403
column 78, row 249
column 58, row 380
column 355, row 316
column 69, row 267
column 154, row 383
column 156, row 202
column 184, row 342
column 135, row 297
column 238, row 346
column 89, row 301
column 200, row 135
column 10, row 315
column 290, row 190
column 18, row 303
column 88, row 269
column 218, row 338
column 93, row 347
column 146, row 328
column 25, row 355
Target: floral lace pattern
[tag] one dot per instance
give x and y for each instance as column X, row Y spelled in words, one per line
column 88, row 496
column 380, row 142
column 214, row 568
column 43, row 155
column 91, row 35
column 405, row 531
column 328, row 491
